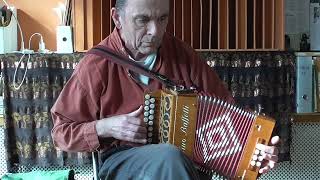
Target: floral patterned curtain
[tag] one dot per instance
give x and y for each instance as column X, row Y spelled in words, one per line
column 28, row 120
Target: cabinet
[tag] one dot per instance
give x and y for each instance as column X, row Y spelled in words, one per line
column 306, row 118
column 307, row 87
column 307, row 82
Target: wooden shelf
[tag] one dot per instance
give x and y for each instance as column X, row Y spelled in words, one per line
column 306, row 117
column 315, row 53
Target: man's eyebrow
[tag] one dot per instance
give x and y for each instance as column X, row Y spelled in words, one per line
column 147, row 16
column 165, row 15
column 141, row 16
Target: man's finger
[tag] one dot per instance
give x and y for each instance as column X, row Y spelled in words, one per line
column 129, row 133
column 134, row 140
column 264, row 170
column 133, row 144
column 267, row 168
column 272, row 165
column 136, row 121
column 137, row 128
column 136, row 112
column 270, row 157
column 275, row 140
column 134, row 135
column 126, row 135
column 268, row 149
column 129, row 139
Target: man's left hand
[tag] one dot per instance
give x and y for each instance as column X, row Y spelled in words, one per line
column 269, row 154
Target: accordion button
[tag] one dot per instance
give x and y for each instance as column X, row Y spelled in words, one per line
column 147, row 96
column 146, row 114
column 151, row 111
column 150, row 123
column 260, row 158
column 258, row 164
column 150, row 128
column 150, row 134
column 149, row 140
column 256, row 152
column 145, row 119
column 152, row 106
column 151, row 117
column 253, row 163
column 254, row 157
column 152, row 100
column 147, row 102
column 146, row 108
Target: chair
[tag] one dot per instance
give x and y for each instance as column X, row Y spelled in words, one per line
column 95, row 165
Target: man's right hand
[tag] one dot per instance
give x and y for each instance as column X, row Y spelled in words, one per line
column 128, row 127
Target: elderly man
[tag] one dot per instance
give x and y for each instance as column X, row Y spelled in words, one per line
column 100, row 106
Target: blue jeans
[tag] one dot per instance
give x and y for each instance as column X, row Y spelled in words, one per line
column 156, row 161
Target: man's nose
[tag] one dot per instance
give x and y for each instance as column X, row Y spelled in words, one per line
column 153, row 28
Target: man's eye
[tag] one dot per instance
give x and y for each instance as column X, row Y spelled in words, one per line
column 163, row 18
column 141, row 21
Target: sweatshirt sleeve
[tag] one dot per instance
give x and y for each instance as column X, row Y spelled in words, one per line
column 76, row 110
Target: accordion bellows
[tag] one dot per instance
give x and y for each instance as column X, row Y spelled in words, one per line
column 219, row 137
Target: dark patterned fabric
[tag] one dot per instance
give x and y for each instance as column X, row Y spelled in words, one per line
column 262, row 81
column 28, row 120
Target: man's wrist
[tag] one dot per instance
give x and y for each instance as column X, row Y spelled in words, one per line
column 102, row 129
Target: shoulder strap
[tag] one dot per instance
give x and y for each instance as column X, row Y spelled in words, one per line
column 121, row 60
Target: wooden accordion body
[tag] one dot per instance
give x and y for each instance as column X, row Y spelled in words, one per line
column 217, row 136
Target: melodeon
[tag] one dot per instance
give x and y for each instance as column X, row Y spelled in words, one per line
column 219, row 137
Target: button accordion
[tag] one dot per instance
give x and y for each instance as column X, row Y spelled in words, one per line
column 219, row 137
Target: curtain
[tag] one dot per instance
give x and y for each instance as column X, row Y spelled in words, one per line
column 28, row 120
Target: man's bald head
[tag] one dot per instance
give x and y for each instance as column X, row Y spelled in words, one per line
column 120, row 4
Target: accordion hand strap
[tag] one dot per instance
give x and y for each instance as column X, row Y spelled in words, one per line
column 127, row 63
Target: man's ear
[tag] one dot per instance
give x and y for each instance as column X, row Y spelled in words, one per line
column 116, row 17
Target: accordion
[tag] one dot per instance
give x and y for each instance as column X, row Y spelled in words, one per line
column 219, row 137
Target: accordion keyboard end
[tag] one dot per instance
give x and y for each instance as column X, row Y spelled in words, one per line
column 251, row 161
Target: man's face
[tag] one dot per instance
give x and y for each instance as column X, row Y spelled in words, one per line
column 143, row 24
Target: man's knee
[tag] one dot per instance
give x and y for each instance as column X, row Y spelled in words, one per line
column 169, row 152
